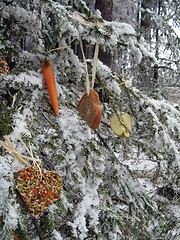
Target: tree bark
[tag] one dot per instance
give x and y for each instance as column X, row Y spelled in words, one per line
column 156, row 75
column 105, row 7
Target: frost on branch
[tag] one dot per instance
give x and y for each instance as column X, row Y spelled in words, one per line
column 113, row 187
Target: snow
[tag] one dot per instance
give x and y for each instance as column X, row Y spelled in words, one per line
column 78, row 65
column 32, row 77
column 56, row 235
column 105, row 70
column 8, row 206
column 141, row 164
column 19, row 120
column 122, row 28
column 5, row 170
column 172, row 115
column 11, row 219
column 76, row 135
column 136, row 52
column 67, row 121
column 92, row 171
column 87, row 207
column 73, row 133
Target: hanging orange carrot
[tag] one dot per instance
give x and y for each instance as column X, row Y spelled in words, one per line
column 49, row 79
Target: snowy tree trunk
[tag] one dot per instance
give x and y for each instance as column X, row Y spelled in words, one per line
column 114, row 187
column 105, row 7
column 156, row 74
column 145, row 75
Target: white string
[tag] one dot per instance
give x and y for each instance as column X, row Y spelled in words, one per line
column 9, row 147
column 86, row 68
column 7, row 144
column 35, row 161
column 95, row 60
column 89, row 23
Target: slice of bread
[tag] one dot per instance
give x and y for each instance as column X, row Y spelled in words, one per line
column 90, row 109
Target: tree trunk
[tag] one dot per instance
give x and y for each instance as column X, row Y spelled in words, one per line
column 148, row 76
column 105, row 7
column 146, row 21
column 157, row 45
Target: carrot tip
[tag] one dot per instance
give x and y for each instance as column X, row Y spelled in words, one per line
column 56, row 114
column 49, row 79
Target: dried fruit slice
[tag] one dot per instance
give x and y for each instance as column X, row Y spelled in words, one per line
column 125, row 134
column 118, row 124
column 90, row 109
column 4, row 68
column 36, row 190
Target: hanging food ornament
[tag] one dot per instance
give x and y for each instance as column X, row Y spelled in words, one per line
column 4, row 68
column 89, row 106
column 90, row 109
column 121, row 125
column 38, row 192
column 49, row 80
column 38, row 188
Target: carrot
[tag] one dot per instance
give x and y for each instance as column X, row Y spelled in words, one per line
column 49, row 79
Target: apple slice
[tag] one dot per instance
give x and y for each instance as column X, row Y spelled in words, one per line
column 125, row 134
column 118, row 124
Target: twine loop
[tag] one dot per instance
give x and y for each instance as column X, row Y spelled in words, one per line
column 7, row 144
column 95, row 60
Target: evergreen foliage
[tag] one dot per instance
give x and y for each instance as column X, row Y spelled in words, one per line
column 113, row 188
